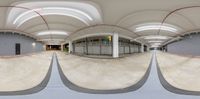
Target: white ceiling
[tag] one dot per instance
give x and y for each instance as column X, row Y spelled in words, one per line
column 122, row 16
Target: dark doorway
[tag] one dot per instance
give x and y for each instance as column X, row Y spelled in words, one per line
column 53, row 47
column 66, row 47
column 17, row 49
column 145, row 48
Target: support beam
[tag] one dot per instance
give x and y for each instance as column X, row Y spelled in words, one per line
column 129, row 44
column 62, row 47
column 115, row 45
column 148, row 48
column 86, row 45
column 142, row 48
column 70, row 47
column 44, row 47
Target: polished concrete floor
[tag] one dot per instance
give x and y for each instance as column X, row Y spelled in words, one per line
column 56, row 89
column 23, row 72
column 104, row 74
column 182, row 72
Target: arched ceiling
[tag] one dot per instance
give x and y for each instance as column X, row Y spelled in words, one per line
column 139, row 19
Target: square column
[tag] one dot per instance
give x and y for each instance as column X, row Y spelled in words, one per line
column 44, row 47
column 70, row 47
column 147, row 48
column 115, row 45
column 62, row 49
column 142, row 48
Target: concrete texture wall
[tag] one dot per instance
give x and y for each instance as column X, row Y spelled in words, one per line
column 103, row 48
column 79, row 49
column 121, row 50
column 188, row 46
column 8, row 41
column 126, row 50
column 106, row 50
column 93, row 49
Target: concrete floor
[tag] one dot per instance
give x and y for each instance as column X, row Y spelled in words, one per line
column 57, row 90
column 180, row 71
column 104, row 74
column 23, row 72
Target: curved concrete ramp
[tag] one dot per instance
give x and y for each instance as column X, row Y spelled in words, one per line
column 179, row 74
column 24, row 74
column 104, row 76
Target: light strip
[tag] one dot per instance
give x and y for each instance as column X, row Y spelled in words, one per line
column 53, row 8
column 155, row 41
column 51, row 40
column 52, row 14
column 155, row 27
column 156, row 44
column 23, row 14
column 156, row 37
column 70, row 9
column 52, row 33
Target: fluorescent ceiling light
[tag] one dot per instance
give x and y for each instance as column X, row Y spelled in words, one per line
column 155, row 41
column 156, row 26
column 155, row 46
column 52, row 33
column 33, row 44
column 69, row 9
column 52, row 11
column 25, row 13
column 51, row 40
column 33, row 16
column 156, row 37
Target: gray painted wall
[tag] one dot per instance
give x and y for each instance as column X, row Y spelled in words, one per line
column 188, row 46
column 8, row 41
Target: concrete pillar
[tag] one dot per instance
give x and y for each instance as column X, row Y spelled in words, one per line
column 44, row 47
column 70, row 47
column 86, row 46
column 115, row 45
column 62, row 47
column 147, row 48
column 142, row 48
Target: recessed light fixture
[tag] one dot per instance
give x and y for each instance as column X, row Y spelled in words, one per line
column 154, row 46
column 156, row 26
column 51, row 40
column 155, row 41
column 52, row 32
column 25, row 13
column 54, row 13
column 70, row 9
column 156, row 37
column 78, row 14
column 33, row 44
